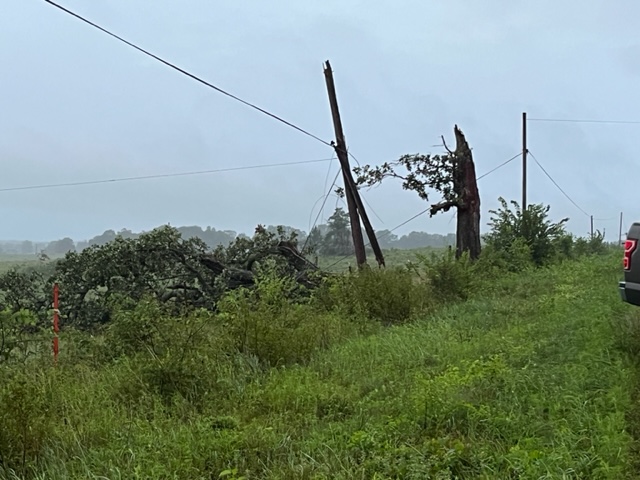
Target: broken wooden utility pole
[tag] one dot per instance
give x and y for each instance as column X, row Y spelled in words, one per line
column 354, row 202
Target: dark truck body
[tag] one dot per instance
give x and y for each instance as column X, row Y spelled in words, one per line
column 630, row 287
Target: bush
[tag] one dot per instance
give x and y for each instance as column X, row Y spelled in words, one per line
column 390, row 296
column 539, row 234
column 263, row 322
column 594, row 245
column 22, row 289
column 516, row 257
column 166, row 355
column 17, row 335
column 450, row 278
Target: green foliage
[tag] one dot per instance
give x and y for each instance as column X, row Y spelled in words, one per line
column 420, row 173
column 539, row 233
column 17, row 334
column 153, row 264
column 264, row 323
column 337, row 240
column 314, row 241
column 169, row 355
column 244, row 251
column 593, row 245
column 182, row 273
column 60, row 247
column 26, row 418
column 515, row 257
column 520, row 380
column 390, row 296
column 450, row 279
column 24, row 290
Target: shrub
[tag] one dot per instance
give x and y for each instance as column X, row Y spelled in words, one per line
column 265, row 323
column 16, row 335
column 594, row 245
column 532, row 225
column 166, row 354
column 24, row 290
column 450, row 278
column 390, row 296
column 516, row 257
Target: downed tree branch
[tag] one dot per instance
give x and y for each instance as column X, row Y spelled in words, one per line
column 245, row 277
column 443, row 207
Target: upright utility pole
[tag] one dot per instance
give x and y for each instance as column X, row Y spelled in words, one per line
column 56, row 328
column 591, row 226
column 354, row 202
column 525, row 151
column 620, row 232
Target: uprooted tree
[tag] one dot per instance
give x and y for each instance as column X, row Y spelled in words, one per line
column 453, row 175
column 160, row 264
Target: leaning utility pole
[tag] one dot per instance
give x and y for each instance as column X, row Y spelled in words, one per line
column 354, row 202
column 524, row 161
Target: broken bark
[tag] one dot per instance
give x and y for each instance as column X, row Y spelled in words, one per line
column 465, row 187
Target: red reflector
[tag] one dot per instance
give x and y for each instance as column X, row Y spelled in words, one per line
column 629, row 248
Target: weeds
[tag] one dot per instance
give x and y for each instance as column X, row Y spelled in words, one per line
column 479, row 374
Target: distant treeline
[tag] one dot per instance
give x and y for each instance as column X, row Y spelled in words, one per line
column 214, row 238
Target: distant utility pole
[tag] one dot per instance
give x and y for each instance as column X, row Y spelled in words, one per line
column 591, row 226
column 354, row 202
column 525, row 151
column 620, row 232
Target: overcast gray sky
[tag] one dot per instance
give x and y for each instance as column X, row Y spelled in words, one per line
column 76, row 105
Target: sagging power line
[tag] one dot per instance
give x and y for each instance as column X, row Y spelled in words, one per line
column 558, row 186
column 499, row 166
column 165, row 175
column 188, row 74
column 324, row 202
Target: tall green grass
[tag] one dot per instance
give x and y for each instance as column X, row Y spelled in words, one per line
column 533, row 376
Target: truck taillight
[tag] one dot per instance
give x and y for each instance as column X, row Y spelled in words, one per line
column 629, row 248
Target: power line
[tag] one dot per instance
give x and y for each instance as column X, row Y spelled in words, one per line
column 324, row 202
column 363, row 198
column 165, row 175
column 371, row 208
column 389, row 232
column 571, row 120
column 188, row 74
column 326, row 178
column 558, row 186
column 499, row 166
column 354, row 157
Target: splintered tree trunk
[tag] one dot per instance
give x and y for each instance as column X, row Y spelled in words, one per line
column 466, row 189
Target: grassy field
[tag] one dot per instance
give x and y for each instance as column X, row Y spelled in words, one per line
column 11, row 261
column 393, row 257
column 533, row 377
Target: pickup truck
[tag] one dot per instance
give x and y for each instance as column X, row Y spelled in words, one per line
column 630, row 287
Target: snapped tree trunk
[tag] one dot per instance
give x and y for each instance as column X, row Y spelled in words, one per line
column 465, row 187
